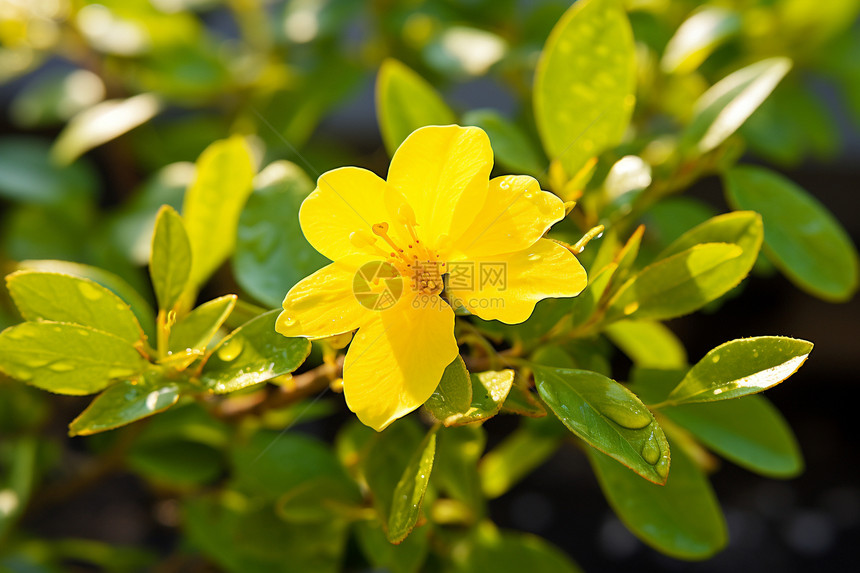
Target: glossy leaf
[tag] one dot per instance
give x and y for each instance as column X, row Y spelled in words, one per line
column 511, row 147
column 66, row 298
column 748, row 431
column 681, row 519
column 66, row 358
column 404, row 102
column 101, row 123
column 453, row 397
column 409, row 492
column 522, row 401
column 197, row 328
column 489, row 390
column 801, row 236
column 272, row 254
column 697, row 37
column 213, row 203
column 647, row 343
column 584, row 83
column 170, row 258
column 520, row 453
column 123, row 403
column 607, row 416
column 251, row 354
column 742, row 228
column 141, row 308
column 675, row 286
column 741, row 367
column 726, row 106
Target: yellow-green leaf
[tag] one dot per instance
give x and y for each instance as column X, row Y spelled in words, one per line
column 66, row 358
column 453, row 396
column 66, row 298
column 404, row 102
column 197, row 328
column 648, row 344
column 170, row 258
column 409, row 492
column 675, row 286
column 740, row 367
column 584, row 83
column 213, row 203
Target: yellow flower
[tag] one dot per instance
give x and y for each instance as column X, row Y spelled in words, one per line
column 395, row 242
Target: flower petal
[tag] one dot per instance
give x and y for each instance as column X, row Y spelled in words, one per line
column 396, row 360
column 323, row 304
column 515, row 215
column 443, row 171
column 347, row 200
column 507, row 287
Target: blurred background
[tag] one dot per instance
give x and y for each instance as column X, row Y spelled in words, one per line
column 104, row 104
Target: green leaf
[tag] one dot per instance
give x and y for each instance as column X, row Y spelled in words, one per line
column 286, row 466
column 681, row 519
column 510, row 552
column 489, row 390
column 66, row 298
column 608, row 417
column 28, row 175
column 522, row 401
column 409, row 492
column 125, row 402
column 453, row 397
column 251, row 354
column 511, row 147
column 742, row 228
column 455, row 467
column 388, row 455
column 197, row 328
column 584, row 83
column 675, row 286
column 213, row 203
column 272, row 254
column 170, row 258
column 66, row 358
column 722, row 109
column 748, row 431
column 697, row 37
column 801, row 236
column 647, row 343
column 101, row 123
column 405, row 102
column 407, row 557
column 741, row 367
column 516, row 456
column 142, row 309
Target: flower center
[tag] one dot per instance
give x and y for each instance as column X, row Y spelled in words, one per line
column 414, row 259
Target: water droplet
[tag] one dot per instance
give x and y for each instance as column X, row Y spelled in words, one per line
column 36, row 362
column 23, row 375
column 231, row 349
column 651, row 450
column 716, row 358
column 533, row 257
column 755, row 353
column 505, row 185
column 662, row 466
column 625, row 416
column 631, row 308
column 89, row 291
column 61, row 366
column 289, row 321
